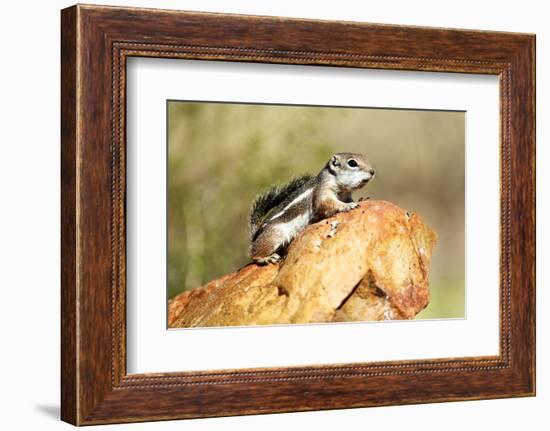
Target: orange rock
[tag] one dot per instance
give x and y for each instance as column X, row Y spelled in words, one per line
column 371, row 263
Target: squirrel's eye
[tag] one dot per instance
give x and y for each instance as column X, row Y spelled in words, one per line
column 352, row 163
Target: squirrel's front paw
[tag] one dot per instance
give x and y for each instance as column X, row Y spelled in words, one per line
column 350, row 206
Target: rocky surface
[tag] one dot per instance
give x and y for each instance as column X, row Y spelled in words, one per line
column 371, row 263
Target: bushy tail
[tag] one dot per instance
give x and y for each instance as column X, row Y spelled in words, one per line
column 269, row 199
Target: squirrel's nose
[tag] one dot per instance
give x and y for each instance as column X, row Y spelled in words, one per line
column 372, row 171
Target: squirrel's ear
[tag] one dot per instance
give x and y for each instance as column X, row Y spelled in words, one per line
column 334, row 161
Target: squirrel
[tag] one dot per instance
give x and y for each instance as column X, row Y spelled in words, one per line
column 280, row 213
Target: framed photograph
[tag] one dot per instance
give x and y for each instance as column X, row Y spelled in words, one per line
column 264, row 214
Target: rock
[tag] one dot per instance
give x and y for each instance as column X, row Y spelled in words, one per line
column 371, row 263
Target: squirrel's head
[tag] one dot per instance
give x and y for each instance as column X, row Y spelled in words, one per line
column 351, row 171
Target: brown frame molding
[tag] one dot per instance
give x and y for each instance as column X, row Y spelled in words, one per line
column 95, row 43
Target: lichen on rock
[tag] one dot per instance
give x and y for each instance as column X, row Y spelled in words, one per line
column 371, row 263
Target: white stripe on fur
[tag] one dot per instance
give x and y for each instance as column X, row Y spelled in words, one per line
column 299, row 198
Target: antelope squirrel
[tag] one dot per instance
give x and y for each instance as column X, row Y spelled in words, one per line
column 280, row 213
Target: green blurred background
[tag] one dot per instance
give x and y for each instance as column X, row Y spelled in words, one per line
column 220, row 156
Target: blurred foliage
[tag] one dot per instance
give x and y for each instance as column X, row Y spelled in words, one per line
column 221, row 155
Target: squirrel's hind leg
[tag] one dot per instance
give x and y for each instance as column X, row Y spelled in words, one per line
column 264, row 248
column 272, row 258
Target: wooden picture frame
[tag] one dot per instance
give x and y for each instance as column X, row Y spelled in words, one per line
column 95, row 43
